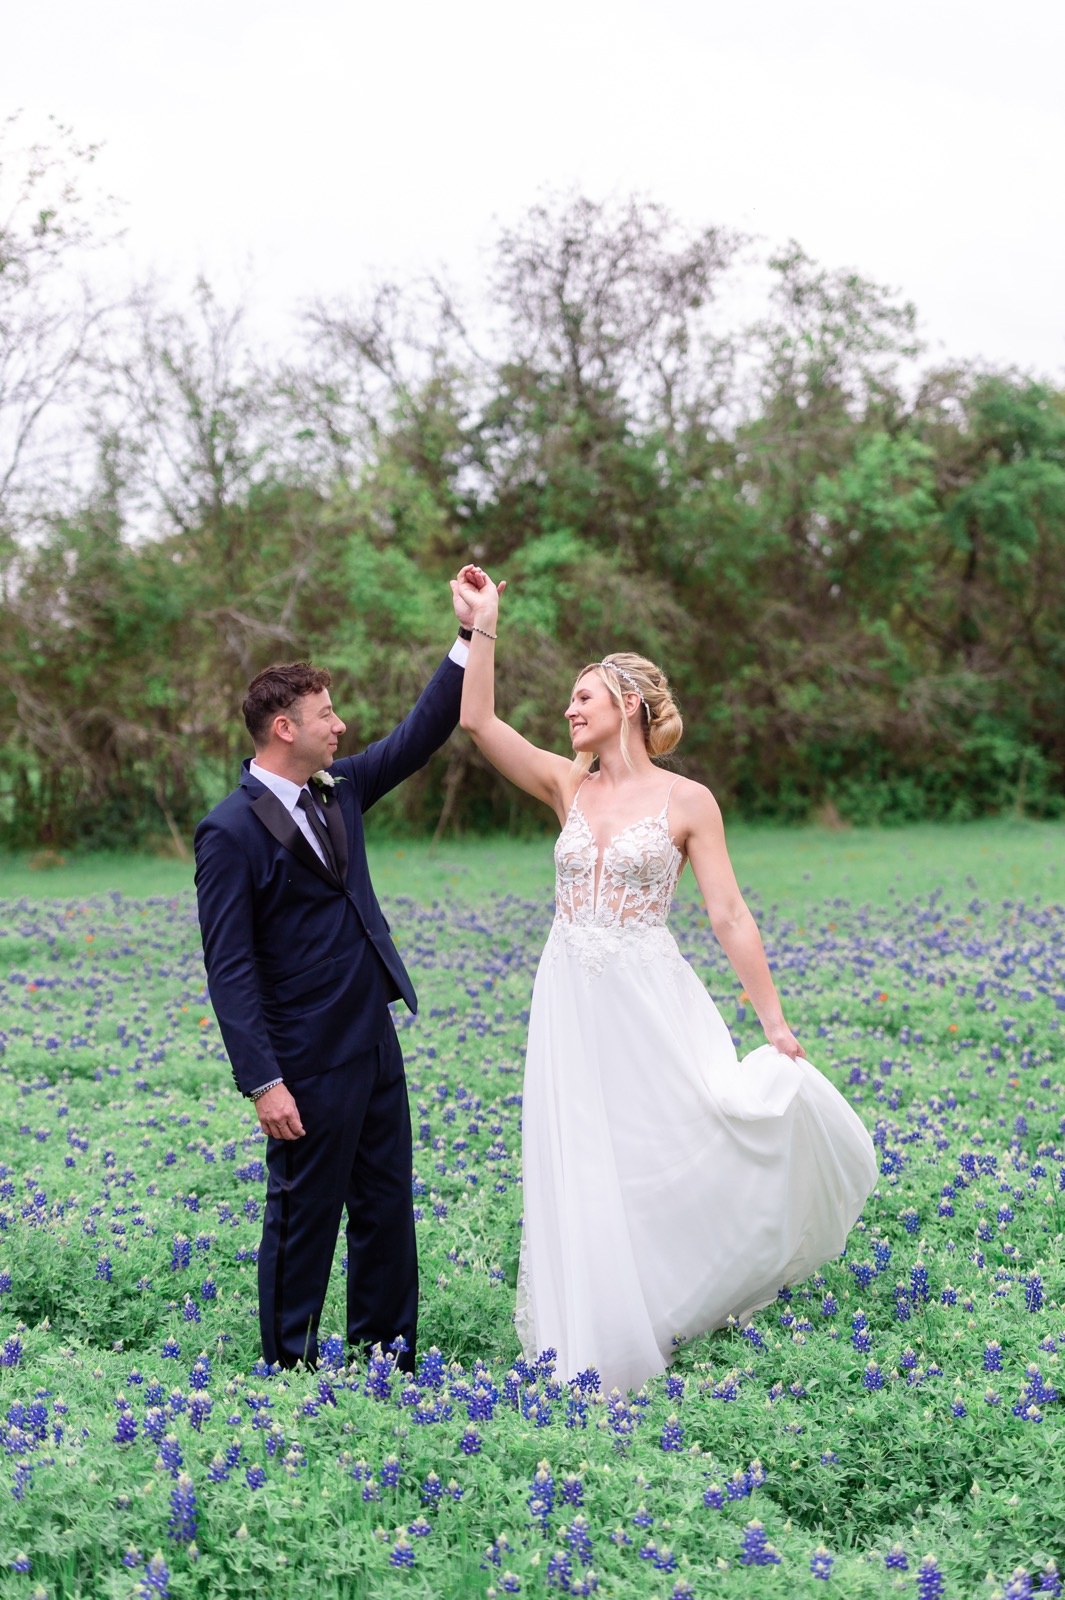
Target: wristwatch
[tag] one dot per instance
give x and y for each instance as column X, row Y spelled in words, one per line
column 466, row 633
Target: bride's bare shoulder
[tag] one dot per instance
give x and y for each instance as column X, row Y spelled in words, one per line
column 692, row 805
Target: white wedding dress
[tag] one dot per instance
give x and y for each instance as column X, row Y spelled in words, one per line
column 667, row 1185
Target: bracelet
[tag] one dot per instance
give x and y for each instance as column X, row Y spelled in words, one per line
column 485, row 632
column 257, row 1094
column 466, row 633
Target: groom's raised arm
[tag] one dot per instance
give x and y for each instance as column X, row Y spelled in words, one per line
column 225, row 905
column 430, row 722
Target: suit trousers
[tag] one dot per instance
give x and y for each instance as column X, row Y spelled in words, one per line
column 355, row 1153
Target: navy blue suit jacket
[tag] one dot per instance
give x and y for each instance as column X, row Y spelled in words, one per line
column 300, row 963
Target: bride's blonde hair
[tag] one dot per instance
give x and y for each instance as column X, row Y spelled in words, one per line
column 625, row 673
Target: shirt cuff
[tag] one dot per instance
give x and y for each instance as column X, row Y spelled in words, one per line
column 459, row 653
column 255, row 1094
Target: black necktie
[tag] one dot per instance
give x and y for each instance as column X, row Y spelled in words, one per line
column 319, row 829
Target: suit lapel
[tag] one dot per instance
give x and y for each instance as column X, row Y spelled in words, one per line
column 273, row 816
column 338, row 834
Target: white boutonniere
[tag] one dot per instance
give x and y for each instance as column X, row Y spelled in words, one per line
column 324, row 782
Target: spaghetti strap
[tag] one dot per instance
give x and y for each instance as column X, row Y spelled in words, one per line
column 669, row 791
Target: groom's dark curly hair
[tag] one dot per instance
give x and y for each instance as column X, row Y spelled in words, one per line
column 275, row 689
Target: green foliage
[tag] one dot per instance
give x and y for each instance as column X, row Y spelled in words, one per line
column 858, row 592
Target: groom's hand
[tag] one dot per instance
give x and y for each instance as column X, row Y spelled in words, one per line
column 278, row 1117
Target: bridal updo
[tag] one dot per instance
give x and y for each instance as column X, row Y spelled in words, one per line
column 625, row 673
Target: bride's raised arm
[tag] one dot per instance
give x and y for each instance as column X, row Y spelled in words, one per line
column 538, row 772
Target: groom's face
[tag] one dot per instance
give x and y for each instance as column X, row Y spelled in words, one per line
column 316, row 733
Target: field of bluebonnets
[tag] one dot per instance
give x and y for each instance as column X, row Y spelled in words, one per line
column 891, row 1426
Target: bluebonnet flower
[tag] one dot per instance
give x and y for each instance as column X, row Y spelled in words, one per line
column 103, row 1269
column 738, row 1486
column 171, row 1350
column 495, row 1552
column 872, row 1377
column 379, row 1373
column 541, row 1499
column 910, row 1219
column 126, row 1426
column 753, row 1337
column 402, row 1553
column 255, row 1477
column 861, row 1335
column 1019, row 1585
column 993, row 1356
column 672, row 1434
column 21, row 1562
column 572, row 1492
column 829, row 1305
column 155, row 1581
column 1049, row 1579
column 560, row 1572
column 1033, row 1292
column 929, row 1580
column 864, row 1272
column 578, row 1537
column 821, row 1562
column 958, row 1407
column 180, row 1253
column 992, row 1397
column 919, row 1289
column 470, row 1443
column 11, row 1352
column 665, row 1561
column 897, row 1559
column 331, row 1352
column 390, row 1471
column 431, row 1490
column 182, row 1524
column 170, row 1454
column 829, row 1458
column 713, row 1497
column 756, row 1551
column 420, row 1527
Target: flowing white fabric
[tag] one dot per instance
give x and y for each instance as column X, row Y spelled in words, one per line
column 667, row 1185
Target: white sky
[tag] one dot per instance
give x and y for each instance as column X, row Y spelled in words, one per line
column 324, row 144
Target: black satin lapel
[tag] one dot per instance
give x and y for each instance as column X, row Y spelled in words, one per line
column 338, row 835
column 276, row 820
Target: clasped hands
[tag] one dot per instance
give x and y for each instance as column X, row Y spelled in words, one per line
column 476, row 598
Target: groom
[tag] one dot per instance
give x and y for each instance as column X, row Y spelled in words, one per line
column 301, row 970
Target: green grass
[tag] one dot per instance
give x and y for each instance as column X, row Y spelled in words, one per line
column 792, row 867
column 121, row 1138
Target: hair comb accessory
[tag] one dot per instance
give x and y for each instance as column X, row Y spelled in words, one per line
column 627, row 677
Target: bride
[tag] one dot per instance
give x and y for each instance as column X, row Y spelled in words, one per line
column 667, row 1185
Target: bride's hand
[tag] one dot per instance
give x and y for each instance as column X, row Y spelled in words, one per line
column 782, row 1039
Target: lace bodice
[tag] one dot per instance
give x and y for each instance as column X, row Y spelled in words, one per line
column 633, row 884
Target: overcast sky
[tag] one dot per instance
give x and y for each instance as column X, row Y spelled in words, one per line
column 320, row 145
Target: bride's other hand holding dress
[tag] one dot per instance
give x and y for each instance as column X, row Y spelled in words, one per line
column 667, row 1186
